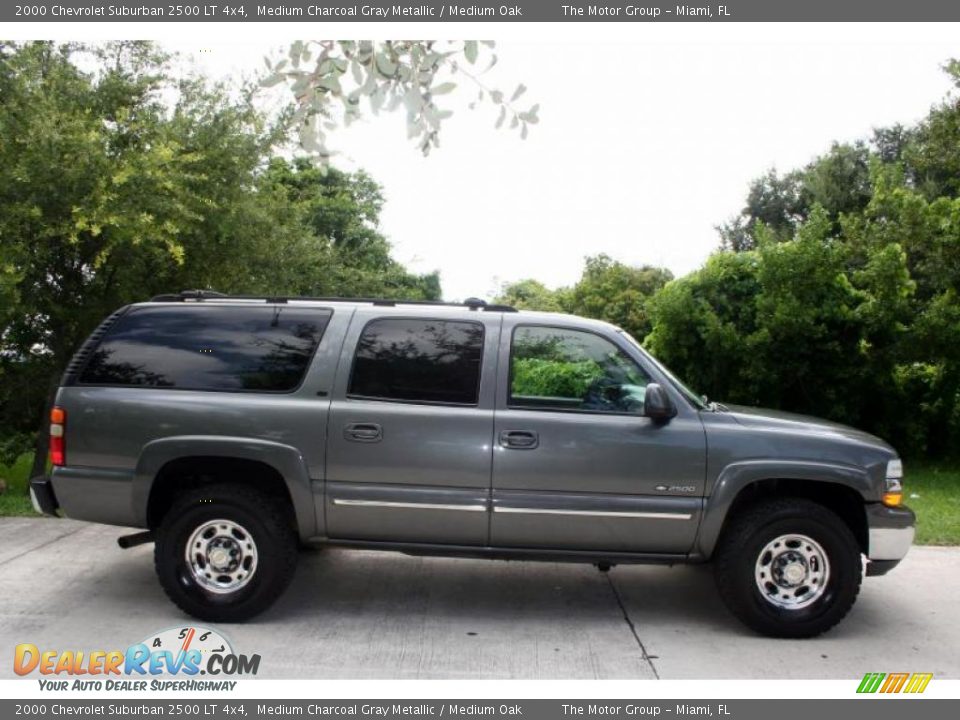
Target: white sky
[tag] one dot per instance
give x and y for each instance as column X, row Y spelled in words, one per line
column 644, row 145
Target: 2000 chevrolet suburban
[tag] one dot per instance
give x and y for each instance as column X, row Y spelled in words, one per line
column 232, row 429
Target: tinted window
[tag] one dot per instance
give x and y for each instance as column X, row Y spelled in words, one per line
column 554, row 368
column 419, row 361
column 208, row 348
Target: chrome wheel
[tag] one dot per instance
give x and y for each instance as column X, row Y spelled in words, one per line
column 792, row 571
column 222, row 556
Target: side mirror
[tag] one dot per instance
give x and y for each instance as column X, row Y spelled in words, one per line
column 656, row 403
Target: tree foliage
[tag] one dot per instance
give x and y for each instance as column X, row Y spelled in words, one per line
column 532, row 294
column 607, row 290
column 618, row 293
column 347, row 255
column 119, row 180
column 330, row 80
column 837, row 290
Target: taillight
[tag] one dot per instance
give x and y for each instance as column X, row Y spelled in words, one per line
column 58, row 422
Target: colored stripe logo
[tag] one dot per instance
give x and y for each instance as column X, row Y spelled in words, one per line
column 894, row 682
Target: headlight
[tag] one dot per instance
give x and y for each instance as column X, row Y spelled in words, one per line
column 893, row 492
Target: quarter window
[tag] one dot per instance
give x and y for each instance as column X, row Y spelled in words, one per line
column 208, row 348
column 561, row 369
column 429, row 361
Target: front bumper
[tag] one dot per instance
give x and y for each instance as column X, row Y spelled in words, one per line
column 42, row 496
column 890, row 535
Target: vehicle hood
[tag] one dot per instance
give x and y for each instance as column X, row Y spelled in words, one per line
column 778, row 420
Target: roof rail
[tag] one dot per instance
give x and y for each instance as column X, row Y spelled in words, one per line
column 199, row 295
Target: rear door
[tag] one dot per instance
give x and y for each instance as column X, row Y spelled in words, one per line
column 576, row 464
column 410, row 433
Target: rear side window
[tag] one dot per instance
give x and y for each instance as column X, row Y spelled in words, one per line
column 414, row 360
column 263, row 349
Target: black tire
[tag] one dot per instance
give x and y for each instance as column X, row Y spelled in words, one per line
column 747, row 536
column 265, row 519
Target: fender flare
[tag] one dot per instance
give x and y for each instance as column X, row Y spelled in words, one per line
column 285, row 459
column 737, row 476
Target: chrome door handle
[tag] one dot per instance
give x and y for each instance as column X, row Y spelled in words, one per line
column 519, row 439
column 363, row 432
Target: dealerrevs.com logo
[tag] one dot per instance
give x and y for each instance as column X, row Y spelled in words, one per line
column 154, row 663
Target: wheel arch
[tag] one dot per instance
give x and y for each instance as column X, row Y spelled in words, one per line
column 841, row 488
column 171, row 464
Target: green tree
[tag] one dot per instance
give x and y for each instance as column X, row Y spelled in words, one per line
column 774, row 201
column 349, row 256
column 932, row 154
column 701, row 324
column 815, row 324
column 806, row 348
column 839, row 182
column 912, row 246
column 607, row 290
column 882, row 218
column 89, row 186
column 121, row 181
column 618, row 293
column 531, row 295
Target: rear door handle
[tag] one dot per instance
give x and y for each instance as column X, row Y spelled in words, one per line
column 363, row 432
column 519, row 439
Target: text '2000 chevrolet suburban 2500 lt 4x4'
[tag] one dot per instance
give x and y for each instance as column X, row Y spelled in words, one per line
column 232, row 429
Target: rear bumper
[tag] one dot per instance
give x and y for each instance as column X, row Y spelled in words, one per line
column 890, row 535
column 42, row 497
column 95, row 494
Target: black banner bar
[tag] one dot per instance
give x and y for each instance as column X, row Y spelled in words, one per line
column 515, row 11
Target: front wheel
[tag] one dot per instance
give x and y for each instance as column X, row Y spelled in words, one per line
column 225, row 553
column 788, row 567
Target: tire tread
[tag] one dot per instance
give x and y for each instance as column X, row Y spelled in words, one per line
column 729, row 556
column 283, row 558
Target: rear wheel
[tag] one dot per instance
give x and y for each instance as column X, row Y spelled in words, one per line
column 788, row 567
column 225, row 553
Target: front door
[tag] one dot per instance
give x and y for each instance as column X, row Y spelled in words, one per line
column 411, row 418
column 576, row 464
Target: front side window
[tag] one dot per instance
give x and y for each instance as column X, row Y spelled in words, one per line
column 560, row 369
column 695, row 400
column 423, row 361
column 266, row 348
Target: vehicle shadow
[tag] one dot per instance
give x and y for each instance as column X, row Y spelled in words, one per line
column 366, row 614
column 358, row 589
column 476, row 589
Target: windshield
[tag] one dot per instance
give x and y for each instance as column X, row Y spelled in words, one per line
column 689, row 394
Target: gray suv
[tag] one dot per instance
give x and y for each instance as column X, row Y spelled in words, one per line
column 233, row 429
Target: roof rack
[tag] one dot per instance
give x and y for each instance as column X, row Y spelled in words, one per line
column 200, row 295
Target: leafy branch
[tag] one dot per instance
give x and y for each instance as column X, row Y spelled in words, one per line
column 330, row 79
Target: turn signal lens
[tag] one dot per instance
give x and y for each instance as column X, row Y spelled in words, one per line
column 58, row 421
column 892, row 499
column 893, row 493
